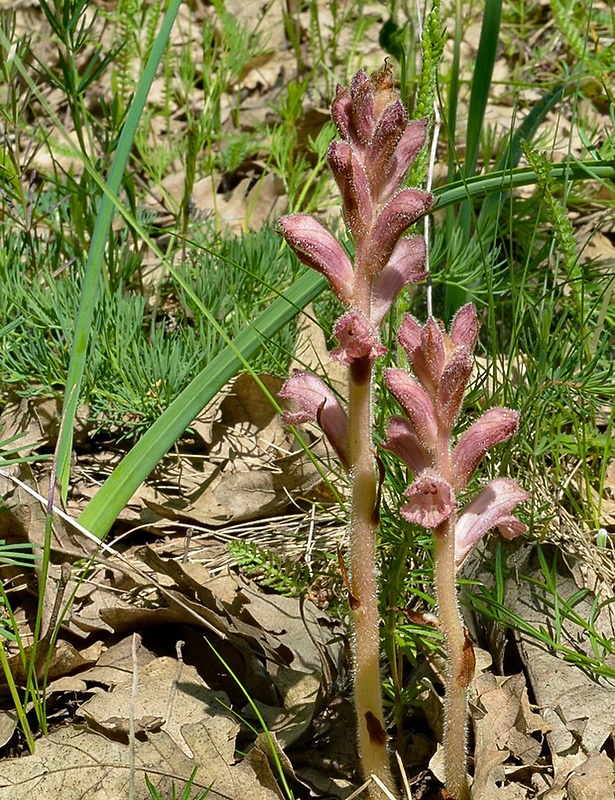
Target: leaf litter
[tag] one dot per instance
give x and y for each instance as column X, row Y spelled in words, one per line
column 543, row 731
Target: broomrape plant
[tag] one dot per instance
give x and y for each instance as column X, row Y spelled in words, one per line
column 370, row 163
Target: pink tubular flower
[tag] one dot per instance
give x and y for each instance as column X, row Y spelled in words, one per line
column 403, row 441
column 320, row 250
column 416, row 403
column 358, row 339
column 492, row 507
column 464, row 329
column 402, row 211
column 495, row 426
column 406, row 265
column 318, row 404
column 432, row 500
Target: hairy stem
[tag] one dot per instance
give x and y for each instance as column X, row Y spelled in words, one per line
column 363, row 584
column 460, row 662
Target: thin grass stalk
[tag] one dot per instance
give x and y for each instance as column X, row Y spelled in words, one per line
column 18, row 705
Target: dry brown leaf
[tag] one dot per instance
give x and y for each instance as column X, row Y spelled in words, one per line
column 76, row 764
column 503, row 723
column 169, row 694
column 578, row 708
column 592, row 780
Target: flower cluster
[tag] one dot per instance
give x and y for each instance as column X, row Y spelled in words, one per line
column 378, row 147
column 431, row 400
column 370, row 163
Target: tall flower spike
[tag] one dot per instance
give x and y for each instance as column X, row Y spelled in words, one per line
column 378, row 147
column 369, row 165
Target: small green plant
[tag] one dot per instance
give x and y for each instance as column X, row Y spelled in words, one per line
column 185, row 795
column 490, row 603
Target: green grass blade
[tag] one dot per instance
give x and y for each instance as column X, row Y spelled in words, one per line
column 102, row 510
column 91, row 280
column 481, row 81
column 506, row 180
column 511, row 155
column 455, row 296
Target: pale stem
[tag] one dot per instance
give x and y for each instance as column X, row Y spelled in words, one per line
column 363, row 584
column 456, row 696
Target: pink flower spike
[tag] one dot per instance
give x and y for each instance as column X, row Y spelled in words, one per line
column 432, row 500
column 357, row 339
column 403, row 441
column 317, row 403
column 464, row 328
column 406, row 265
column 495, row 426
column 320, row 250
column 492, row 507
column 417, row 405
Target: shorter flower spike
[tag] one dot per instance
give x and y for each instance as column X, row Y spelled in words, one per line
column 492, row 507
column 318, row 404
column 431, row 399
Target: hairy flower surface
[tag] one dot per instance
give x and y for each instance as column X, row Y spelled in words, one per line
column 432, row 500
column 318, row 404
column 491, row 508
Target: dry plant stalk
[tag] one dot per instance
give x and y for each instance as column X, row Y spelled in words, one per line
column 378, row 146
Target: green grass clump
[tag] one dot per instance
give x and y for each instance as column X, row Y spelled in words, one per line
column 144, row 352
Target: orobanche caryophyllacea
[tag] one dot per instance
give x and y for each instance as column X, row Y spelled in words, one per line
column 378, row 145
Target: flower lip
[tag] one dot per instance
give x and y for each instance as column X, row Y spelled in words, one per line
column 432, row 500
column 358, row 339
